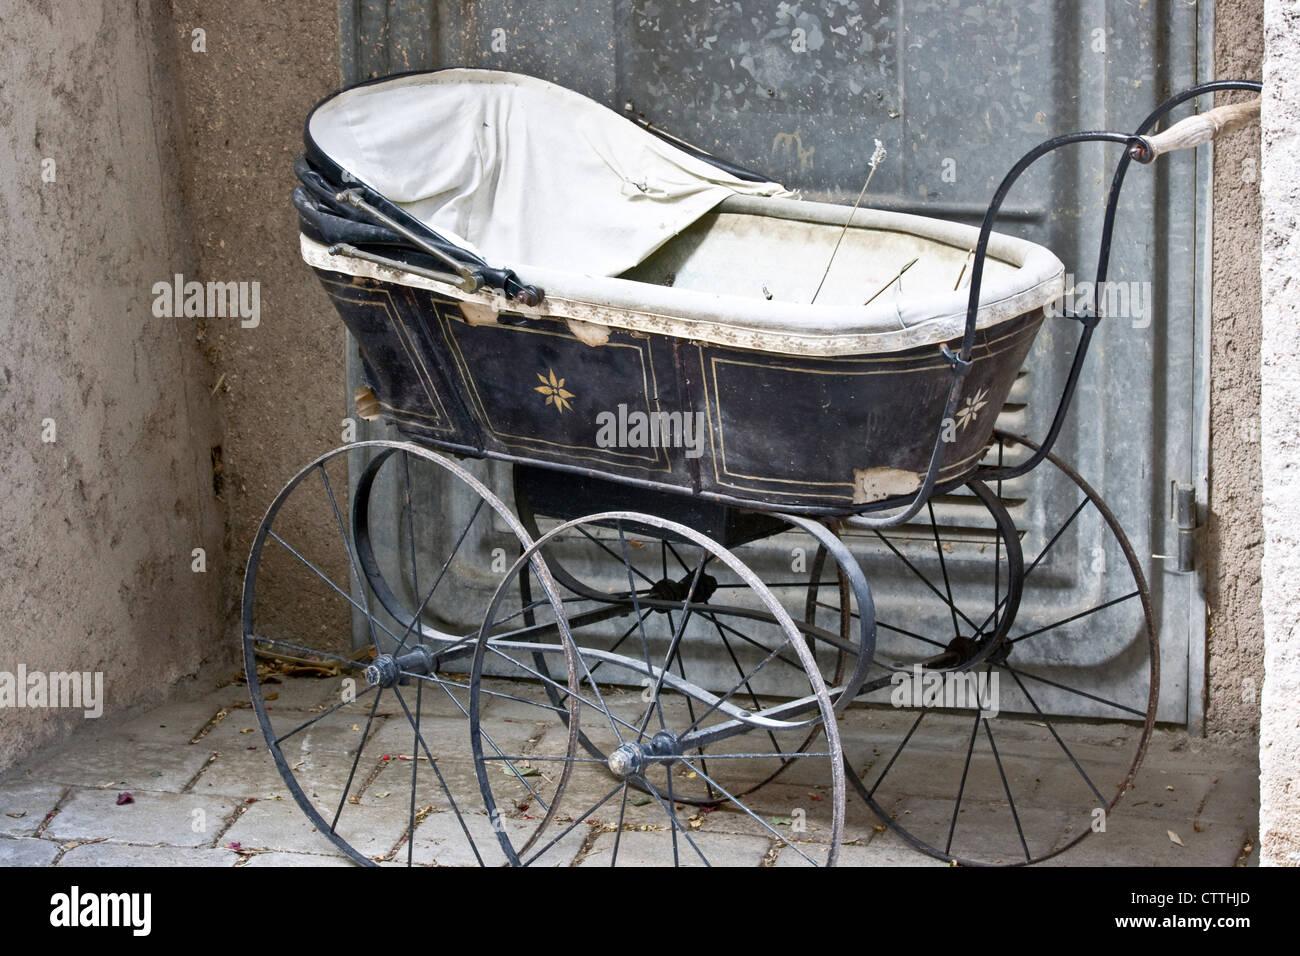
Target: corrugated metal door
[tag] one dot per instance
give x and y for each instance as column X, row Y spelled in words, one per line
column 956, row 90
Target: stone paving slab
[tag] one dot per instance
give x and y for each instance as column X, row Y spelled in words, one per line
column 281, row 825
column 276, row 858
column 254, row 774
column 113, row 854
column 656, row 849
column 183, row 719
column 24, row 805
column 391, row 788
column 175, row 819
column 25, row 851
column 886, row 849
column 297, row 693
column 127, row 763
column 1136, row 839
column 440, row 839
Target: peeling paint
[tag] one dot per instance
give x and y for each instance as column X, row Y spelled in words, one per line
column 588, row 333
column 479, row 313
column 367, row 404
column 877, row 484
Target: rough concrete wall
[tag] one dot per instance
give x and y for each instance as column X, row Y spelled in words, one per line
column 243, row 102
column 1279, row 728
column 97, row 527
column 1234, row 539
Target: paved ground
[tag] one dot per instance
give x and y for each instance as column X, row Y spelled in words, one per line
column 192, row 784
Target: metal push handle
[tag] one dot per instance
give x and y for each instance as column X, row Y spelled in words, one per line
column 1197, row 130
column 1138, row 146
column 1136, row 152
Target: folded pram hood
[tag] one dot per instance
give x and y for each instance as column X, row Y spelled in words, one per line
column 531, row 177
column 519, row 170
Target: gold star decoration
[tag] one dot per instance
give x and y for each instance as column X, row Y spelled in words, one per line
column 554, row 390
column 968, row 412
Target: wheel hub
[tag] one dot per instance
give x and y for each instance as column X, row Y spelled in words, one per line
column 387, row 670
column 677, row 591
column 629, row 759
column 962, row 650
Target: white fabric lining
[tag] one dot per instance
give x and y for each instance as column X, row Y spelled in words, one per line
column 521, row 170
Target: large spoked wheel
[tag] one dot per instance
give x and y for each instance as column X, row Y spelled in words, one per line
column 1005, row 729
column 805, row 566
column 663, row 690
column 374, row 753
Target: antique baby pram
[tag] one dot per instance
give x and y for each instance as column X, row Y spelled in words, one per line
column 681, row 390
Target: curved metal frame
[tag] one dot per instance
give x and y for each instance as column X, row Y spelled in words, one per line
column 1090, row 319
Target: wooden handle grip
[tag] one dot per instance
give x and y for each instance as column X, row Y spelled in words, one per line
column 1203, row 127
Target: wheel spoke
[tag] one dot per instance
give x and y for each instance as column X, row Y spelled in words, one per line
column 576, row 820
column 767, row 826
column 415, row 766
column 1007, row 787
column 1056, row 537
column 911, row 634
column 672, row 819
column 753, row 697
column 618, row 833
column 672, row 652
column 1047, row 722
column 943, row 566
column 671, row 810
column 743, row 681
column 961, row 789
column 483, row 733
column 324, row 714
column 624, row 636
column 610, row 551
column 1075, row 617
column 415, row 619
column 441, row 780
column 352, row 561
column 355, row 760
column 489, row 693
column 897, row 753
column 1075, row 690
column 749, row 640
column 645, row 641
column 690, row 702
column 582, row 700
column 923, row 579
column 321, row 574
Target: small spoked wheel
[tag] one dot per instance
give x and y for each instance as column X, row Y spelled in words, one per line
column 1009, row 715
column 665, row 684
column 378, row 587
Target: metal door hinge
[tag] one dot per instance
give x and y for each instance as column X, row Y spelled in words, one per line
column 1183, row 512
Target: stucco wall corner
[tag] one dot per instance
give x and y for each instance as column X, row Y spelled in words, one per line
column 1280, row 437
